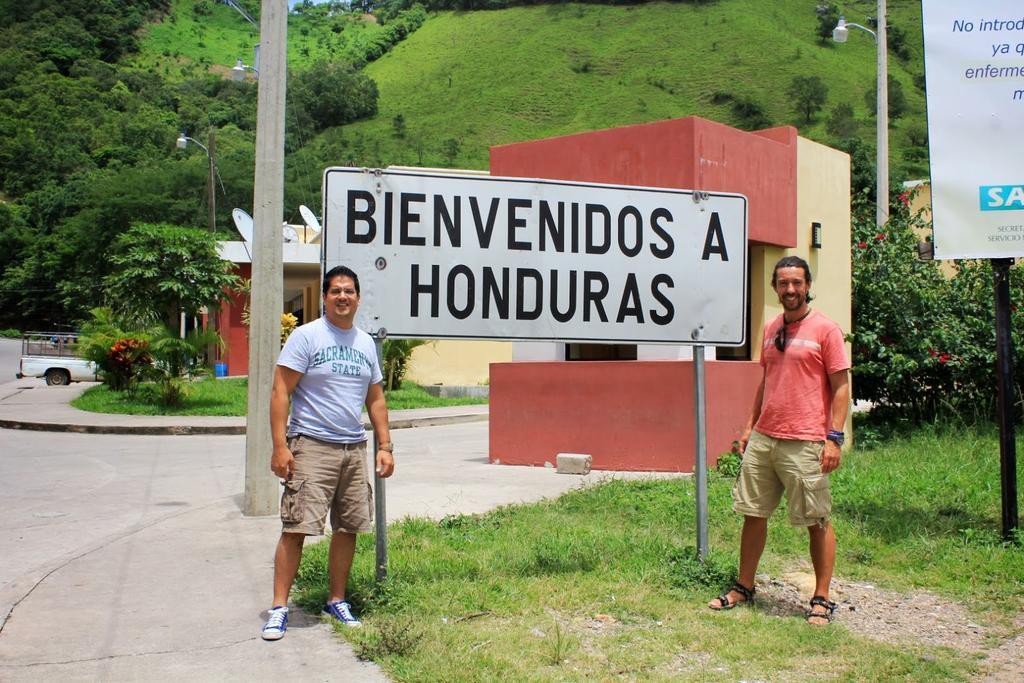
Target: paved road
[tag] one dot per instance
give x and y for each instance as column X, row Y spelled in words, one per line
column 126, row 557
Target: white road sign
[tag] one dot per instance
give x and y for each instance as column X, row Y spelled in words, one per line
column 974, row 68
column 450, row 256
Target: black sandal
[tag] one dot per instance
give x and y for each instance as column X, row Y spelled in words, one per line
column 747, row 593
column 821, row 601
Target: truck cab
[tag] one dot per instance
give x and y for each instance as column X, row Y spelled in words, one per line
column 52, row 355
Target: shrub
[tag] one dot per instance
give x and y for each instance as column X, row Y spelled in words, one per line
column 924, row 343
column 119, row 351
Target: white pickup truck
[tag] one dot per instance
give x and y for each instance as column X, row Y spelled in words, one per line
column 52, row 355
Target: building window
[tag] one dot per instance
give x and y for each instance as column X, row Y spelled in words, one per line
column 600, row 351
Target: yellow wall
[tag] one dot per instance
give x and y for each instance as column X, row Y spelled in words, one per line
column 456, row 362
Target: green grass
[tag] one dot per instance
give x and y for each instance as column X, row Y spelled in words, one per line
column 227, row 397
column 514, row 594
column 183, row 44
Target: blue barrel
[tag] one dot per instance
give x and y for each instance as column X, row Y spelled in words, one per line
column 220, row 369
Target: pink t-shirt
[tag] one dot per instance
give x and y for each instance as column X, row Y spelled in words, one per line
column 797, row 401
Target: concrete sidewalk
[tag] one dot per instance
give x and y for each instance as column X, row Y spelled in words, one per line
column 31, row 405
column 127, row 558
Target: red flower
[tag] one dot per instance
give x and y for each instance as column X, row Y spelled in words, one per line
column 880, row 236
column 904, row 198
column 933, row 353
column 944, row 358
column 862, row 245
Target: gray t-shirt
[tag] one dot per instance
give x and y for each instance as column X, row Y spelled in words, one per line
column 337, row 369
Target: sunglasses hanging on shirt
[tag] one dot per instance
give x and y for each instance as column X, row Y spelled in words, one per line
column 781, row 336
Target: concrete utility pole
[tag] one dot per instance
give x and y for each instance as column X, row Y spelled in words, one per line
column 261, row 486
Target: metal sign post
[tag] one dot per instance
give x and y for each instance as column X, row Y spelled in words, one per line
column 380, row 522
column 700, row 468
column 1004, row 381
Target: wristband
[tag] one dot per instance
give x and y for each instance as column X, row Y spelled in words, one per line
column 389, row 447
column 837, row 437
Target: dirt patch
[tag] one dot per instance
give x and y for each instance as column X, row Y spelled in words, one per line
column 915, row 618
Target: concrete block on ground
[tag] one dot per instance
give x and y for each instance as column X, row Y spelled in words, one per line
column 573, row 463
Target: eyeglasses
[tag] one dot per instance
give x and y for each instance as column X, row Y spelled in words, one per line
column 337, row 291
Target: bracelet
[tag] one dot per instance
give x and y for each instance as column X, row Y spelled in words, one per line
column 389, row 447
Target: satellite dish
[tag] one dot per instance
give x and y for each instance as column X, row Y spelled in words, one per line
column 243, row 222
column 309, row 218
column 289, row 233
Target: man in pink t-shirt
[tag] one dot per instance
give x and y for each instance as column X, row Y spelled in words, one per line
column 794, row 436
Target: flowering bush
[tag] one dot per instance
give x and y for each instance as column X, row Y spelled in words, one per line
column 126, row 360
column 288, row 323
column 924, row 342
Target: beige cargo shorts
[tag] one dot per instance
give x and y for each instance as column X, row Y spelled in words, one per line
column 327, row 477
column 771, row 466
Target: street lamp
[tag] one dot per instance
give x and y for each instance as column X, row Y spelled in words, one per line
column 182, row 143
column 839, row 34
column 239, row 69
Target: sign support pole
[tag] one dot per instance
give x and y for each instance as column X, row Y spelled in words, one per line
column 1004, row 402
column 380, row 522
column 700, row 461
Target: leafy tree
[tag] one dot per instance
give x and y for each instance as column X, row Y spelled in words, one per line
column 450, row 150
column 897, row 100
column 331, row 94
column 750, row 114
column 924, row 344
column 828, row 17
column 841, row 123
column 808, row 95
column 163, row 270
column 896, row 40
column 398, row 126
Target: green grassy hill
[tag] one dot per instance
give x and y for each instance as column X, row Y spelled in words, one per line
column 487, row 78
column 491, row 77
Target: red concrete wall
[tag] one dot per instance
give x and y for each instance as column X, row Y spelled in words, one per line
column 234, row 333
column 690, row 153
column 629, row 415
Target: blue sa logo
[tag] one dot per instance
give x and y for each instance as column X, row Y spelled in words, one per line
column 1002, row 197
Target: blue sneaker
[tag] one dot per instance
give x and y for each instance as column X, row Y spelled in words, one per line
column 342, row 611
column 277, row 624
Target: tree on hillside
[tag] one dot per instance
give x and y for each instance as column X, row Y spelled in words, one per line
column 163, row 270
column 808, row 95
column 331, row 94
column 897, row 100
column 841, row 123
column 828, row 17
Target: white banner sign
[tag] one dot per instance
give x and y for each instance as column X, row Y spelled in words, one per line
column 974, row 67
column 449, row 256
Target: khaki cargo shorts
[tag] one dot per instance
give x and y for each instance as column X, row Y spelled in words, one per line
column 327, row 477
column 771, row 466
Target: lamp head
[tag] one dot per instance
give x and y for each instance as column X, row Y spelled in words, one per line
column 840, row 33
column 182, row 141
column 238, row 71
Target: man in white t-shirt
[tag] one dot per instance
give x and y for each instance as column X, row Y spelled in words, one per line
column 327, row 370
